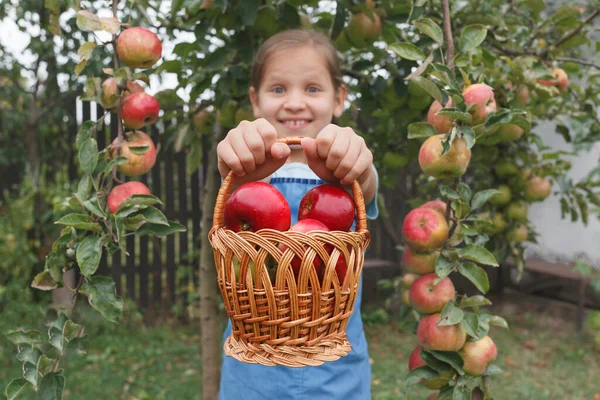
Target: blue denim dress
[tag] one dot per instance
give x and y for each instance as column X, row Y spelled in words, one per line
column 348, row 378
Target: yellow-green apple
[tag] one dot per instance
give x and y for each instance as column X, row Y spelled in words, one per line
column 109, row 89
column 432, row 336
column 509, row 132
column 441, row 123
column 478, row 355
column 438, row 205
column 503, row 197
column 517, row 211
column 522, row 95
column 537, row 188
column 425, row 229
column 329, row 204
column 139, row 150
column 419, row 263
column 257, row 205
column 560, row 79
column 408, row 279
column 363, row 29
column 122, row 192
column 481, row 96
column 498, row 223
column 427, row 297
column 305, row 226
column 405, row 298
column 139, row 47
column 450, row 165
column 518, row 234
column 415, row 361
column 139, row 110
column 506, row 168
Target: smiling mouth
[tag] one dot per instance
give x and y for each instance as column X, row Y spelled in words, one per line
column 295, row 123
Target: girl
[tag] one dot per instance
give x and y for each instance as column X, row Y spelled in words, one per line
column 297, row 90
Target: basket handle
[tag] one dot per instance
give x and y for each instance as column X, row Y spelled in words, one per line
column 224, row 191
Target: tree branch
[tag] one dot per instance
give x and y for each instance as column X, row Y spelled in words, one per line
column 448, row 36
column 118, row 111
column 573, row 32
column 578, row 61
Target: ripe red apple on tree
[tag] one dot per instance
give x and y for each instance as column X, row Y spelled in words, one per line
column 482, row 98
column 425, row 229
column 478, row 355
column 441, row 123
column 139, row 110
column 408, row 279
column 438, row 205
column 537, row 188
column 305, row 226
column 427, row 297
column 257, row 205
column 109, row 89
column 122, row 192
column 431, row 336
column 139, row 150
column 330, row 204
column 561, row 80
column 139, row 47
column 419, row 263
column 450, row 165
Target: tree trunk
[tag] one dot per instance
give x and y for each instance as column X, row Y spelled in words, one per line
column 209, row 328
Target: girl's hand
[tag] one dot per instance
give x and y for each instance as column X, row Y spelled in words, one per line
column 250, row 150
column 340, row 154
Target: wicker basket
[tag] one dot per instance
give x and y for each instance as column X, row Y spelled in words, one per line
column 287, row 322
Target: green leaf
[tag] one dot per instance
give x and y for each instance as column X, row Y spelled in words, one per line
column 420, row 129
column 484, row 325
column 86, row 50
column 469, row 134
column 462, row 393
column 102, row 295
column 52, row 386
column 80, row 221
column 85, row 132
column 15, row 388
column 408, row 51
column 84, row 187
column 88, row 156
column 455, row 114
column 25, row 337
column 443, row 267
column 471, row 37
column 430, row 87
column 449, row 357
column 433, row 362
column 476, row 275
column 493, row 370
column 478, row 254
column 416, row 375
column 44, row 281
column 249, row 9
column 482, row 197
column 56, row 338
column 71, row 330
column 161, row 230
column 498, row 321
column 431, row 29
column 30, row 373
column 141, row 200
column 471, row 323
column 89, row 254
column 465, row 191
column 78, row 69
column 45, row 364
column 474, row 301
column 28, row 354
column 449, row 193
column 154, row 216
column 92, row 206
column 451, row 315
column 114, row 163
column 88, row 21
column 110, row 25
column 120, row 227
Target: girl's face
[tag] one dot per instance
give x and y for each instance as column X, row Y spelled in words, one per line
column 296, row 94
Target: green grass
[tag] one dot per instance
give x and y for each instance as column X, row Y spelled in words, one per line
column 541, row 356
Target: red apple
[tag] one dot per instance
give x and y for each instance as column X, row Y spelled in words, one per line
column 437, row 205
column 408, row 279
column 450, row 165
column 478, row 355
column 139, row 47
column 304, row 226
column 431, row 336
column 427, row 297
column 139, row 110
column 415, row 360
column 537, row 188
column 419, row 263
column 482, row 98
column 257, row 205
column 330, row 204
column 121, row 192
column 139, row 150
column 441, row 123
column 109, row 89
column 561, row 80
column 425, row 229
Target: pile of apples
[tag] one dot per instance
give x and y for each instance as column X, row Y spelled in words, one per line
column 258, row 205
column 136, row 47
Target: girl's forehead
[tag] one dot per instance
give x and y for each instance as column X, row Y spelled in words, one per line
column 299, row 62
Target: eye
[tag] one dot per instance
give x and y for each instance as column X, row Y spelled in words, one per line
column 312, row 89
column 277, row 90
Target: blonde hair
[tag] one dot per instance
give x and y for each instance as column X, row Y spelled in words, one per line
column 292, row 39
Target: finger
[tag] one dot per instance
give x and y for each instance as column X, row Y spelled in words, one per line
column 360, row 169
column 266, row 131
column 228, row 160
column 309, row 147
column 280, row 151
column 349, row 160
column 338, row 150
column 243, row 152
column 325, row 139
column 255, row 144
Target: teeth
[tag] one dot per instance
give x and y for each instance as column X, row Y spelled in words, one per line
column 296, row 122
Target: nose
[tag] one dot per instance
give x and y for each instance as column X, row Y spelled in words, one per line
column 295, row 101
